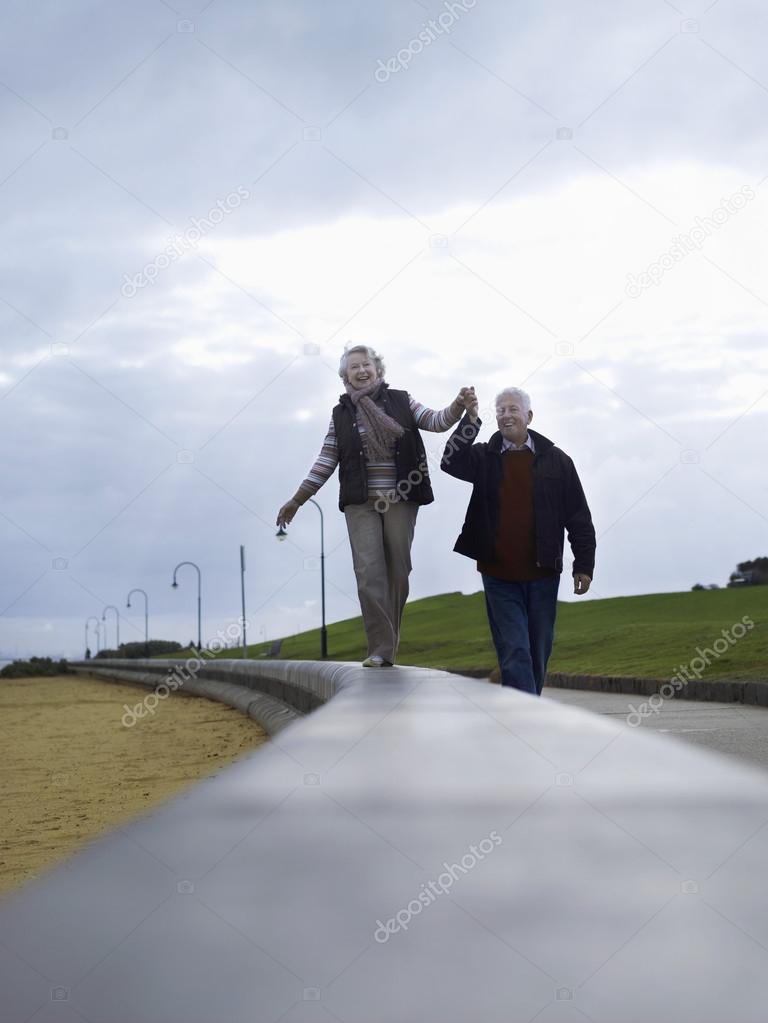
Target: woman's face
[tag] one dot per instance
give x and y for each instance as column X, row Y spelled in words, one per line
column 361, row 370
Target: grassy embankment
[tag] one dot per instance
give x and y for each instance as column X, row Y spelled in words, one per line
column 645, row 636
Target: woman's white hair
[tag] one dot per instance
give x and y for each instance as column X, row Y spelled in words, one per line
column 518, row 394
column 372, row 354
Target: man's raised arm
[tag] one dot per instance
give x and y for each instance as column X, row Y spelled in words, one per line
column 461, row 456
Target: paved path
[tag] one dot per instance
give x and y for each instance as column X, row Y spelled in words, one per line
column 732, row 728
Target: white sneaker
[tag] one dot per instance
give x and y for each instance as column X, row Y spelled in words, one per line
column 374, row 662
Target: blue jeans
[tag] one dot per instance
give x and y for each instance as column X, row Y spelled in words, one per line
column 522, row 620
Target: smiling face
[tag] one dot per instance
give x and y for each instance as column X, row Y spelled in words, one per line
column 361, row 370
column 512, row 418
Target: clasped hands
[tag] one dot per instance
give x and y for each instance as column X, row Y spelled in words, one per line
column 468, row 401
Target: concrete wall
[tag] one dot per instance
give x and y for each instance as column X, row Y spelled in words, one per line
column 418, row 847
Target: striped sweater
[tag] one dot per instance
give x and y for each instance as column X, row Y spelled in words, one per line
column 381, row 476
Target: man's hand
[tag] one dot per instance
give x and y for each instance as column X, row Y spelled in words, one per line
column 581, row 583
column 286, row 513
column 468, row 399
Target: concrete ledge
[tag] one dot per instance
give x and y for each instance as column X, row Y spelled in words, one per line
column 272, row 713
column 284, row 690
column 721, row 691
column 420, row 847
column 310, row 682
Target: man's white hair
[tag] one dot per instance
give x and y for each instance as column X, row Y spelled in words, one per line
column 372, row 354
column 520, row 396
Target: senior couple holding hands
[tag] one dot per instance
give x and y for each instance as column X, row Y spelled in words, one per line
column 525, row 495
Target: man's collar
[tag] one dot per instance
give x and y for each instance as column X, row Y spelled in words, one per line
column 507, row 445
column 541, row 444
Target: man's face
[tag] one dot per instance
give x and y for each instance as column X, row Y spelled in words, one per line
column 361, row 370
column 512, row 419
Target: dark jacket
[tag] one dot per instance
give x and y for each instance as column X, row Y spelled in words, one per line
column 558, row 499
column 410, row 457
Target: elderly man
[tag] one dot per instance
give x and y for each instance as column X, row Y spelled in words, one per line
column 525, row 493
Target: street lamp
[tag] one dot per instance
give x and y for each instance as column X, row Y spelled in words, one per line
column 93, row 618
column 146, row 614
column 242, row 596
column 282, row 535
column 111, row 607
column 323, row 630
column 175, row 585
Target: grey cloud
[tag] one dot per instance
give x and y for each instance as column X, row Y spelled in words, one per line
column 184, row 128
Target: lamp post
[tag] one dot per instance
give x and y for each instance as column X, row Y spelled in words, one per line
column 146, row 614
column 242, row 597
column 175, row 585
column 111, row 607
column 323, row 630
column 282, row 535
column 93, row 618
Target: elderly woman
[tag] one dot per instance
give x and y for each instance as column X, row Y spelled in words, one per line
column 374, row 439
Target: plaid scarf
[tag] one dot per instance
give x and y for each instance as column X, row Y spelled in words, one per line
column 381, row 431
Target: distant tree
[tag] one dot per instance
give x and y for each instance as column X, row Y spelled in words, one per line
column 758, row 569
column 155, row 647
column 697, row 586
column 712, row 586
column 33, row 667
column 750, row 573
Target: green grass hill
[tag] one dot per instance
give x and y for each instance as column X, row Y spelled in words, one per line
column 646, row 636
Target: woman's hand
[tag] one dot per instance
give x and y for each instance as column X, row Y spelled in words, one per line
column 468, row 399
column 286, row 513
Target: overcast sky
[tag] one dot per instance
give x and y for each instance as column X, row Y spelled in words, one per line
column 571, row 197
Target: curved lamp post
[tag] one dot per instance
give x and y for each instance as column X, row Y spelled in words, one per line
column 175, row 585
column 146, row 612
column 93, row 618
column 282, row 535
column 111, row 607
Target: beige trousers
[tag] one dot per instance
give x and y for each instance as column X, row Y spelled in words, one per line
column 381, row 554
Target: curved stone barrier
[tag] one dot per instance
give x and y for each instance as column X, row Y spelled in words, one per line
column 420, row 847
column 273, row 694
column 718, row 690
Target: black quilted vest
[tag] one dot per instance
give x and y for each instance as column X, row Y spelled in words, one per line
column 410, row 457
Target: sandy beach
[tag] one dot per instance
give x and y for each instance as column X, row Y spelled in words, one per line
column 72, row 771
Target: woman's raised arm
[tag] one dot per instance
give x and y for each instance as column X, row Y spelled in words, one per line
column 438, row 421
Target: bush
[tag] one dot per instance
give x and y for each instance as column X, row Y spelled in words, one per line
column 154, row 648
column 35, row 666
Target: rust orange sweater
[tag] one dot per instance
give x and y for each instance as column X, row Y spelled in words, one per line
column 514, row 556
